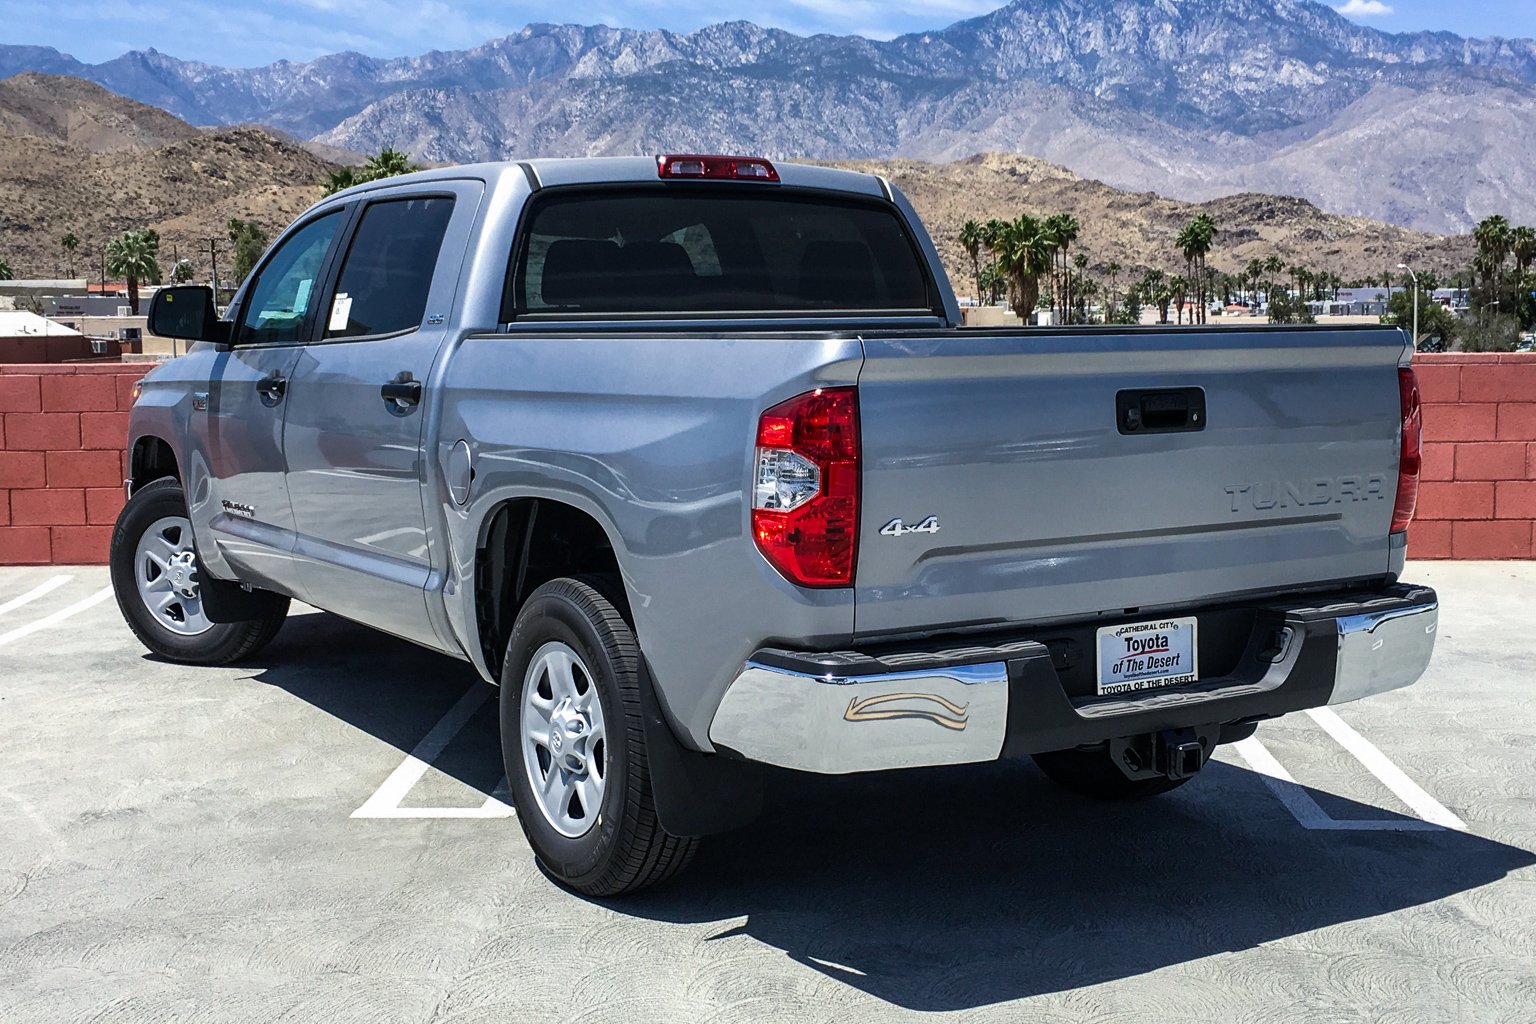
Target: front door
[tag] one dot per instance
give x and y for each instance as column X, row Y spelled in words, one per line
column 356, row 408
column 238, row 496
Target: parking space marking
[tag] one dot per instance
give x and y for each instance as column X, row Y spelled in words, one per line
column 36, row 592
column 385, row 802
column 1432, row 815
column 57, row 617
column 1391, row 776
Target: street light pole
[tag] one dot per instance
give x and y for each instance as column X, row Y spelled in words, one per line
column 1415, row 277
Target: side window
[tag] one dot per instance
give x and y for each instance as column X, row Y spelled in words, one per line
column 388, row 269
column 281, row 296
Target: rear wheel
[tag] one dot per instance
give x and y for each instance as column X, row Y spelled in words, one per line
column 573, row 743
column 158, row 582
column 1093, row 773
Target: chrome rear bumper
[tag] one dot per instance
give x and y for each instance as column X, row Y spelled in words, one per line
column 1384, row 650
column 835, row 724
column 836, row 713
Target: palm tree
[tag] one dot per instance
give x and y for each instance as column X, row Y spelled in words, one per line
column 991, row 235
column 991, row 282
column 132, row 256
column 1523, row 244
column 1179, row 285
column 69, row 243
column 1063, row 229
column 341, row 179
column 1255, row 270
column 1195, row 243
column 6, row 273
column 1157, row 290
column 1076, row 284
column 387, row 163
column 1024, row 252
column 1273, row 266
column 970, row 240
column 1113, row 272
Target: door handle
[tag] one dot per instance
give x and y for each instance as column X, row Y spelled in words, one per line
column 403, row 392
column 272, row 387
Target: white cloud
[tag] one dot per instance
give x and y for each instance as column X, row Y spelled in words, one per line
column 1365, row 9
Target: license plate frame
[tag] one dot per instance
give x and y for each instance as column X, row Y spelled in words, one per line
column 1154, row 654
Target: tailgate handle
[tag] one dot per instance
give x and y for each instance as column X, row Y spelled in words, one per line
column 1160, row 411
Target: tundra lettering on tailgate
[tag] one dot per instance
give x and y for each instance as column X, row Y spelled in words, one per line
column 1269, row 494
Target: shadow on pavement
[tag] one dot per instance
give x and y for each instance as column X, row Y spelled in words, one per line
column 945, row 889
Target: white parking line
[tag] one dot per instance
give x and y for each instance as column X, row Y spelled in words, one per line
column 36, row 592
column 385, row 802
column 57, row 617
column 1391, row 776
column 1432, row 815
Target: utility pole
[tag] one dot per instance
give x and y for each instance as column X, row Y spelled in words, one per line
column 213, row 256
column 1415, row 277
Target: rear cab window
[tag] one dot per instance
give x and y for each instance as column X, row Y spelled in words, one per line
column 714, row 249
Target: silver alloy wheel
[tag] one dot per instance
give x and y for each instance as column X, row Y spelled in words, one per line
column 165, row 567
column 565, row 748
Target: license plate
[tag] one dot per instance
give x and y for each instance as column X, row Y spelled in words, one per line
column 1148, row 655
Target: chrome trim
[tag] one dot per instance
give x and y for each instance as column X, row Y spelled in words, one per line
column 1382, row 651
column 835, row 725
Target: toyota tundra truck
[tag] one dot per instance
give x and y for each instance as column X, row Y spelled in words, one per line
column 693, row 458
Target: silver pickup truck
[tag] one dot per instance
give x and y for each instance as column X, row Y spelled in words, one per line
column 692, row 457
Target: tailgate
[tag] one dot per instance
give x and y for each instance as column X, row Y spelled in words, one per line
column 1010, row 443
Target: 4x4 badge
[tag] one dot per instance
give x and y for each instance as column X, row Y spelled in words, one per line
column 896, row 528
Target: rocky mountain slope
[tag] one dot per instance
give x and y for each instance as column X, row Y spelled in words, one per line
column 1193, row 98
column 95, row 164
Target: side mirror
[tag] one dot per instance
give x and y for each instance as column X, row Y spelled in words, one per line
column 187, row 313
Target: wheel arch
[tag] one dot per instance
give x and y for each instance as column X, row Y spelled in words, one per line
column 526, row 541
column 151, row 458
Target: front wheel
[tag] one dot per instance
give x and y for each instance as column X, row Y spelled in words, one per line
column 156, row 577
column 573, row 743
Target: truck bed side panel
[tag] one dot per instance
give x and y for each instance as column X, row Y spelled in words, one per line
column 653, row 436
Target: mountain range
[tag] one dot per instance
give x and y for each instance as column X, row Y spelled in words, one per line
column 82, row 160
column 1189, row 98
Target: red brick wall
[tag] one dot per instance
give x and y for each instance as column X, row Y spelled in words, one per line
column 63, row 430
column 1478, row 495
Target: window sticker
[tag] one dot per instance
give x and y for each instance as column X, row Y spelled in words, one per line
column 341, row 312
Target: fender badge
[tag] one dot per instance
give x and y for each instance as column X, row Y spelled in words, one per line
column 872, row 709
column 236, row 508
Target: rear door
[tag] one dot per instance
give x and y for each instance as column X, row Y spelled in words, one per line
column 357, row 405
column 1036, row 500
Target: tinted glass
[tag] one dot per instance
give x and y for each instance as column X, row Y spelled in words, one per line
column 278, row 302
column 705, row 250
column 388, row 270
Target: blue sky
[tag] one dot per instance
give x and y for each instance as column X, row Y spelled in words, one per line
column 252, row 32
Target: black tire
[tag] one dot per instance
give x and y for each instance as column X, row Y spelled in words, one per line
column 222, row 642
column 625, row 849
column 1091, row 773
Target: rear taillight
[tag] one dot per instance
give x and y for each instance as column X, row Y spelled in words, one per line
column 734, row 168
column 1410, row 460
column 805, row 496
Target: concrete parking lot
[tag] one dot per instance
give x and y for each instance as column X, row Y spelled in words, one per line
column 318, row 836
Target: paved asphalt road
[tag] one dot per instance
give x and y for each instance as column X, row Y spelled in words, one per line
column 178, row 844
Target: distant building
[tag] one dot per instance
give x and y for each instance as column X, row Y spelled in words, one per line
column 26, row 337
